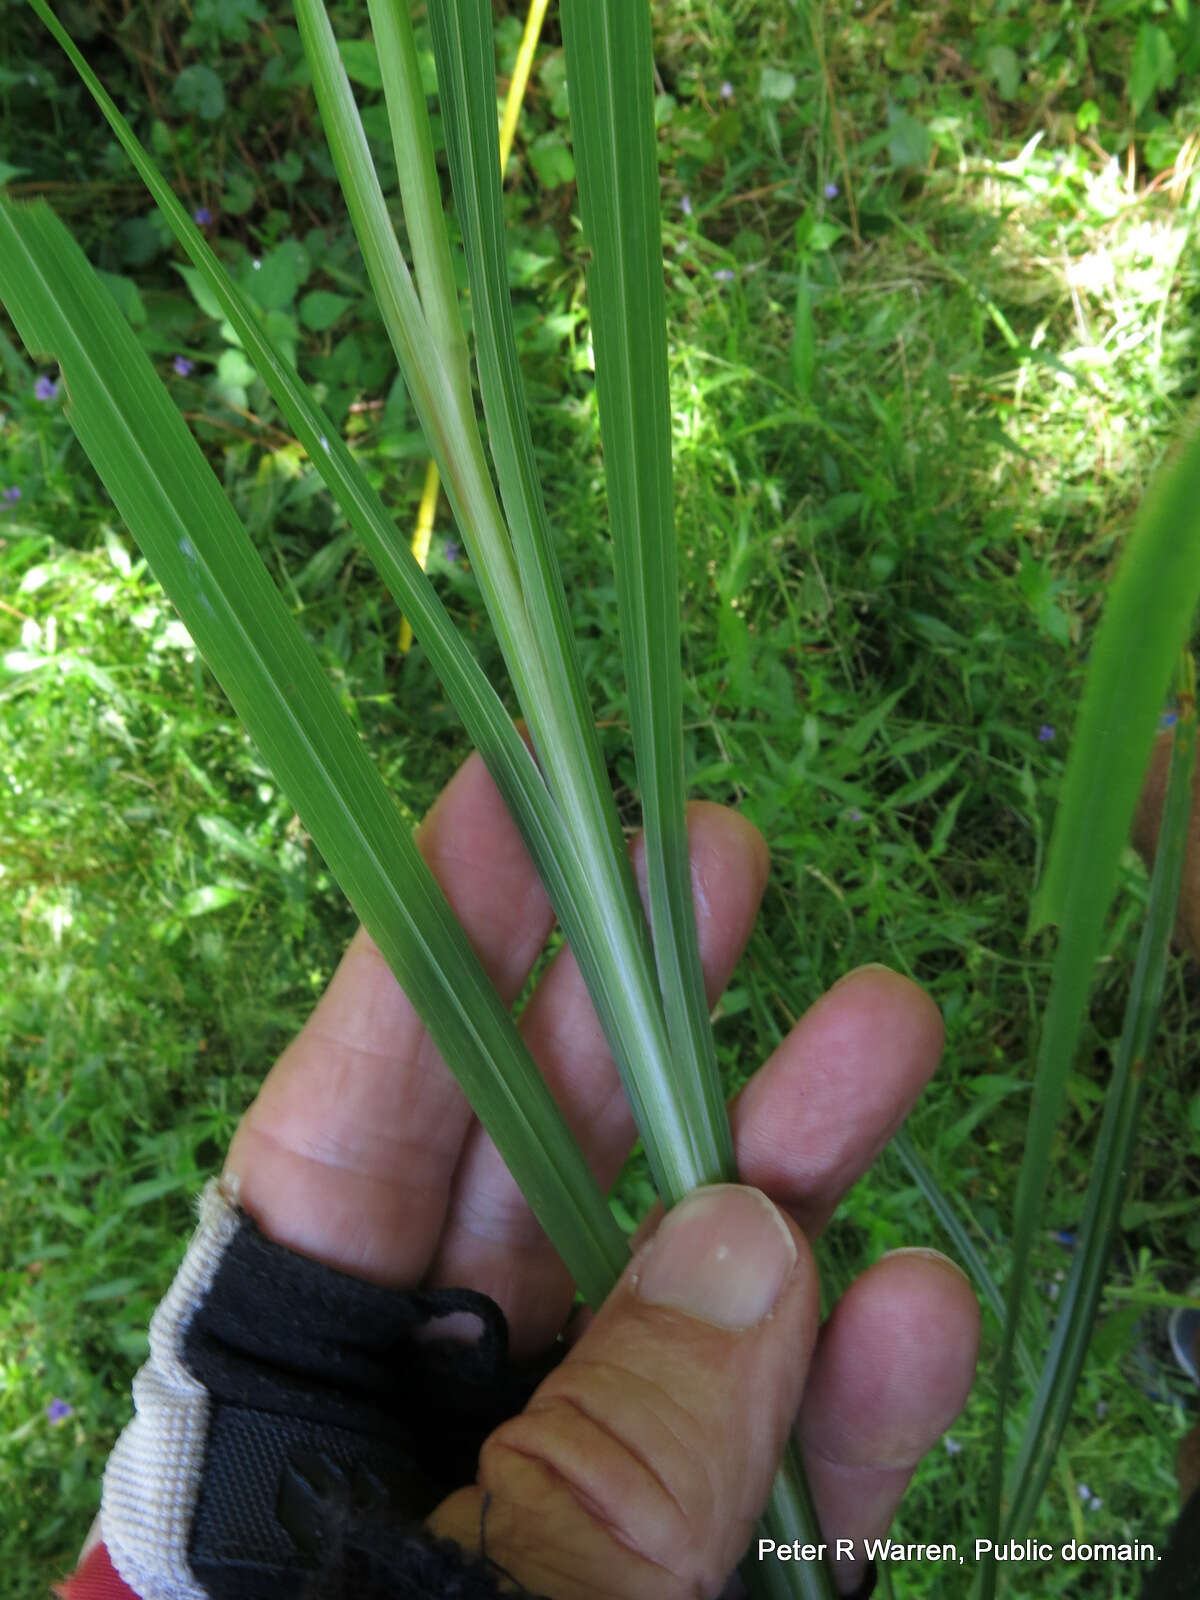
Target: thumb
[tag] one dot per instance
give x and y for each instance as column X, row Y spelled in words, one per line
column 640, row 1464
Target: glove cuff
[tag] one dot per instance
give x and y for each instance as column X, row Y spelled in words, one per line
column 154, row 1472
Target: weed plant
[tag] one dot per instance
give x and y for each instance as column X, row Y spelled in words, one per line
column 931, row 306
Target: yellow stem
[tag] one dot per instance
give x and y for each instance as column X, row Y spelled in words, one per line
column 420, row 541
column 520, row 77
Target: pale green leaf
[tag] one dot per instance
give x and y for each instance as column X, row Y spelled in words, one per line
column 609, row 936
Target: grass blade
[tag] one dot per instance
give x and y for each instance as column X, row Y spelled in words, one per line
column 1150, row 607
column 687, row 1142
column 943, row 1208
column 520, row 79
column 1112, row 1161
column 440, row 392
column 422, row 534
column 412, row 146
column 789, row 1516
column 197, row 548
column 401, row 72
column 574, row 883
column 481, row 709
column 610, row 69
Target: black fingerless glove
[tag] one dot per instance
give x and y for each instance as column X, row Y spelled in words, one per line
column 295, row 1425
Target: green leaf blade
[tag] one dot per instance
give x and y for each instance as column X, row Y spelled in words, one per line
column 1112, row 1164
column 683, row 1137
column 197, row 548
column 610, row 72
column 1150, row 606
column 489, row 725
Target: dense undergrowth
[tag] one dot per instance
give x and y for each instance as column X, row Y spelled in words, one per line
column 932, row 296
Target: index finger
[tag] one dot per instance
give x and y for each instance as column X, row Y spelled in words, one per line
column 348, row 1153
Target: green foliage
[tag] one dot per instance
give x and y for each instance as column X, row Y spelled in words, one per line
column 1154, row 67
column 896, row 529
column 216, row 21
column 199, row 91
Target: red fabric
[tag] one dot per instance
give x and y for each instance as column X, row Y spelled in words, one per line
column 95, row 1579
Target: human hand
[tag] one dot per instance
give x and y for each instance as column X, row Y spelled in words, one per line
column 643, row 1459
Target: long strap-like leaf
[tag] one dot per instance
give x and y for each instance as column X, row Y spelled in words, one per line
column 200, row 553
column 687, row 1143
column 1112, row 1163
column 1130, row 669
column 489, row 725
column 610, row 78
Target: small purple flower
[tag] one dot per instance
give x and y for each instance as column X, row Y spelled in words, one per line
column 45, row 389
column 685, row 205
column 831, row 191
column 854, row 814
column 202, row 216
column 58, row 1410
column 724, row 274
column 451, row 551
column 727, row 90
column 1168, row 719
column 1045, row 733
column 11, row 496
column 953, row 1448
column 183, row 366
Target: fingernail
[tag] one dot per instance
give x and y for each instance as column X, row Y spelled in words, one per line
column 930, row 1255
column 869, row 966
column 722, row 1255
